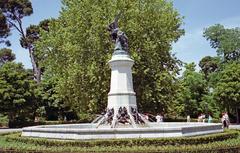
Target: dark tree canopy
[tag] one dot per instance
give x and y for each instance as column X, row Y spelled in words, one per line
column 11, row 14
column 6, row 55
column 17, row 99
column 4, row 29
column 209, row 65
column 16, row 9
column 33, row 34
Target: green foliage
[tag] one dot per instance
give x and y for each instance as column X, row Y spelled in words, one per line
column 6, row 55
column 50, row 102
column 52, row 105
column 222, row 142
column 128, row 142
column 3, row 120
column 226, row 41
column 4, row 29
column 77, row 48
column 224, row 81
column 33, row 34
column 211, row 106
column 16, row 93
column 192, row 89
column 227, row 91
column 11, row 14
column 209, row 65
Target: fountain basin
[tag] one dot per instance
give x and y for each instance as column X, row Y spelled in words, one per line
column 89, row 131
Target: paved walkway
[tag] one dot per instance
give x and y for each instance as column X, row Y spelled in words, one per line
column 234, row 126
column 9, row 130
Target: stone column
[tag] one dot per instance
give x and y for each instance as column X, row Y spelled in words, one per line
column 121, row 93
column 121, row 90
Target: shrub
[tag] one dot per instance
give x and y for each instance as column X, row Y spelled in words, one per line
column 230, row 144
column 3, row 121
column 128, row 142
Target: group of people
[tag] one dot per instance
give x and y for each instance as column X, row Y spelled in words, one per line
column 224, row 119
column 158, row 118
column 202, row 118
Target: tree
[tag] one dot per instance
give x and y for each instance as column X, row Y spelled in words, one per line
column 32, row 35
column 226, row 41
column 77, row 48
column 12, row 12
column 225, row 80
column 227, row 91
column 193, row 89
column 209, row 65
column 6, row 55
column 16, row 93
column 4, row 29
column 53, row 103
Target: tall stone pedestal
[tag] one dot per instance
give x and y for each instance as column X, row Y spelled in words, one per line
column 121, row 98
column 122, row 106
column 121, row 90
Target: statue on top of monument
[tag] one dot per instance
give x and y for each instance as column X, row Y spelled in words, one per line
column 118, row 37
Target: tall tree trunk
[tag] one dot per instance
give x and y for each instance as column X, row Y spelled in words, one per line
column 19, row 28
column 36, row 69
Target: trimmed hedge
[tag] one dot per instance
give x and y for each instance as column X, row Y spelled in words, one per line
column 229, row 146
column 227, row 142
column 216, row 150
column 128, row 142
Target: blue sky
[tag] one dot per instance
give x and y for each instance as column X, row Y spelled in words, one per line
column 198, row 14
column 42, row 9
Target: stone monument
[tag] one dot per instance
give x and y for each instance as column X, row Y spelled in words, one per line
column 122, row 106
column 121, row 118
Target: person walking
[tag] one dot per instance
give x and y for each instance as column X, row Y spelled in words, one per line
column 209, row 118
column 188, row 118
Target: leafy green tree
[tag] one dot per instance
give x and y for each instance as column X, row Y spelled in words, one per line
column 210, row 106
column 12, row 13
column 224, row 81
column 52, row 103
column 77, row 48
column 226, row 41
column 193, row 89
column 6, row 55
column 17, row 99
column 28, row 40
column 227, row 91
column 210, row 67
